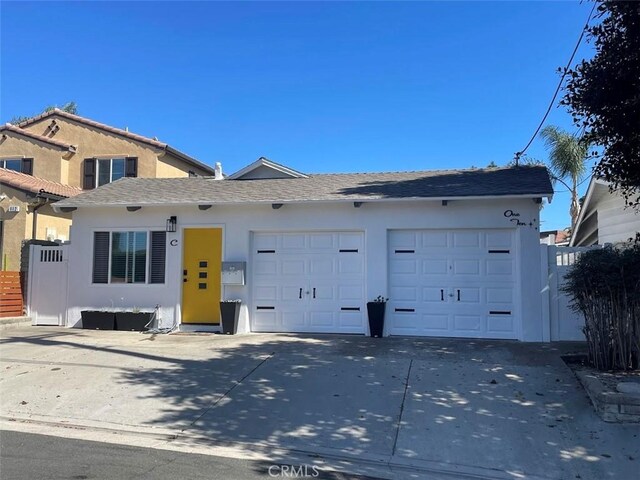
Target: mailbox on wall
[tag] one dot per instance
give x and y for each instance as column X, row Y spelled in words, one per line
column 233, row 273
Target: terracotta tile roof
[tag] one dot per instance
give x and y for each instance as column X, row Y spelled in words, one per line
column 41, row 138
column 36, row 185
column 117, row 131
column 530, row 181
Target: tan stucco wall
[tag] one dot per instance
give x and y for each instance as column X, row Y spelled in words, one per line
column 169, row 166
column 14, row 227
column 48, row 160
column 47, row 218
column 19, row 226
column 94, row 142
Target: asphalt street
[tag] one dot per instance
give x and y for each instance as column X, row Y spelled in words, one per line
column 25, row 456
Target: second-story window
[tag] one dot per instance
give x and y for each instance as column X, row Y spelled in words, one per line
column 102, row 170
column 110, row 170
column 12, row 164
column 24, row 165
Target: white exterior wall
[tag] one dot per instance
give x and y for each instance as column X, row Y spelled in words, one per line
column 616, row 223
column 374, row 219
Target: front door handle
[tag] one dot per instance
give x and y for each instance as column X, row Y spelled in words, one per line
column 442, row 295
column 458, row 294
column 300, row 294
column 314, row 292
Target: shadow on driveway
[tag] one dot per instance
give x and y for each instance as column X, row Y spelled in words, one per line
column 504, row 407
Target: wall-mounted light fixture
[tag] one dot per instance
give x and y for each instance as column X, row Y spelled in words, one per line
column 357, row 204
column 204, row 207
column 172, row 222
column 276, row 206
column 133, row 209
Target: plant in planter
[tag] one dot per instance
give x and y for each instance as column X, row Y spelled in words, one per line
column 375, row 311
column 133, row 320
column 98, row 319
column 229, row 313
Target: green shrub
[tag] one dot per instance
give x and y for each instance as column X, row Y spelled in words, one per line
column 604, row 285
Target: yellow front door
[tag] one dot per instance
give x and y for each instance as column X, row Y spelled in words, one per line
column 201, row 260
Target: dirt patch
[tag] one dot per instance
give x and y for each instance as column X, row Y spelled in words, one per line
column 609, row 380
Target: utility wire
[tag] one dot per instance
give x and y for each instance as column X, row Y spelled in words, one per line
column 555, row 95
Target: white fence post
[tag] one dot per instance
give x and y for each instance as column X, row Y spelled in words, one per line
column 545, row 293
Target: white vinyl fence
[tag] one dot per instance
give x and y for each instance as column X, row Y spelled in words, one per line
column 561, row 321
column 47, row 284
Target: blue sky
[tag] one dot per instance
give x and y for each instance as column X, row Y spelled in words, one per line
column 320, row 87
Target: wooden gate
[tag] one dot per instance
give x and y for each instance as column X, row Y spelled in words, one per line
column 10, row 294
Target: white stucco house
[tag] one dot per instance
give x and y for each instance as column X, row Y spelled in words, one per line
column 456, row 252
column 604, row 217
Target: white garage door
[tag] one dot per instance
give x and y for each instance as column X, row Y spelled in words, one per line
column 457, row 283
column 308, row 282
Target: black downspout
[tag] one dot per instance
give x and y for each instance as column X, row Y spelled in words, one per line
column 34, row 224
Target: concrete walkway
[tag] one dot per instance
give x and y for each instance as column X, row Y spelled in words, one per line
column 387, row 407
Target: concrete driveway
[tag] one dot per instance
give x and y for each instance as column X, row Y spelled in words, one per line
column 484, row 408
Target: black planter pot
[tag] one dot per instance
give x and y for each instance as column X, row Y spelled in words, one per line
column 97, row 320
column 132, row 321
column 375, row 310
column 229, row 313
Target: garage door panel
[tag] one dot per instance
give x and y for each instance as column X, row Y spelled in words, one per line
column 351, row 321
column 434, row 295
column 466, row 267
column 500, row 323
column 350, row 292
column 499, row 240
column 499, row 295
column 404, row 266
column 469, row 295
column 402, row 240
column 290, row 293
column 305, row 279
column 293, row 242
column 434, row 240
column 322, row 241
column 467, row 323
column 292, row 321
column 266, row 320
column 350, row 264
column 324, row 265
column 265, row 267
column 350, row 241
column 408, row 293
column 500, row 268
column 293, row 267
column 474, row 270
column 466, row 239
column 266, row 293
column 265, row 242
column 435, row 266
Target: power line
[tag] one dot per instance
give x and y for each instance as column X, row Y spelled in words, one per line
column 555, row 95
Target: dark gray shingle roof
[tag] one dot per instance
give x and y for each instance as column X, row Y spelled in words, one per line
column 516, row 181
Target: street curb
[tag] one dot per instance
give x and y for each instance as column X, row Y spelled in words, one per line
column 360, row 463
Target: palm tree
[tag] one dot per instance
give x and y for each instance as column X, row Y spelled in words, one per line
column 567, row 156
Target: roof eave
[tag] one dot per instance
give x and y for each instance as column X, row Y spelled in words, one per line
column 70, row 203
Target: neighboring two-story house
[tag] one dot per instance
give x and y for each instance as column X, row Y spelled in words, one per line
column 56, row 155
